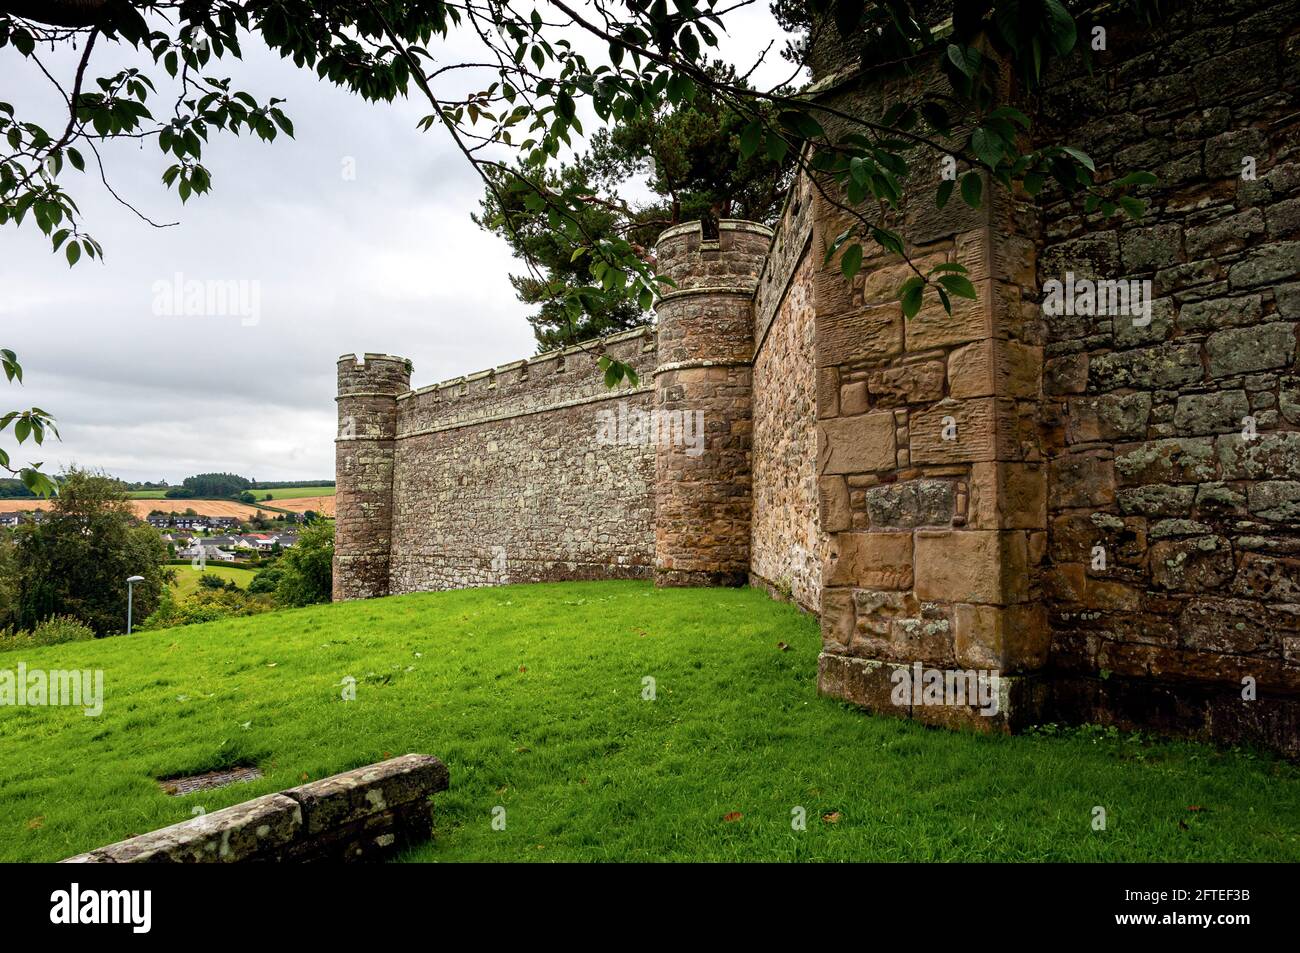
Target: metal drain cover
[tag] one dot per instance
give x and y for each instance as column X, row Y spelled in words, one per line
column 203, row 782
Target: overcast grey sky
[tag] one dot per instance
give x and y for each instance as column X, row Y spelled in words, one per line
column 386, row 261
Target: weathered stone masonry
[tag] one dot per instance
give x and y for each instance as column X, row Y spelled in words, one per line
column 1073, row 433
column 935, row 488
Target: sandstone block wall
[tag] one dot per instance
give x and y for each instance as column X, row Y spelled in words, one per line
column 1174, row 445
column 931, row 483
column 1167, row 447
column 938, row 488
column 787, row 546
column 706, row 348
column 504, row 476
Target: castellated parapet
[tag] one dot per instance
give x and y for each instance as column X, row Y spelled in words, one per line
column 1103, row 512
column 364, row 454
column 703, row 490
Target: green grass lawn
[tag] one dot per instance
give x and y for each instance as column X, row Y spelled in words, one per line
column 285, row 493
column 187, row 577
column 532, row 695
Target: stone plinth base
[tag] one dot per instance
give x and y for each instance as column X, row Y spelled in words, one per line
column 1211, row 713
column 1016, row 702
column 688, row 578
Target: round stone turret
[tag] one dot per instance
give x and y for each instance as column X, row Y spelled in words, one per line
column 703, row 401
column 363, row 454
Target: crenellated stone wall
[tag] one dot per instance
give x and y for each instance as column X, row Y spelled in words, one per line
column 1099, row 518
column 705, row 374
column 508, row 476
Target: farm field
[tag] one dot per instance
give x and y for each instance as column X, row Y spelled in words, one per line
column 187, row 577
column 142, row 508
column 288, row 493
column 319, row 504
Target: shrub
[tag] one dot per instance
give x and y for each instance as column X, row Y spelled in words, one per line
column 266, row 580
column 307, row 570
column 61, row 628
column 210, row 580
column 206, row 605
column 55, row 630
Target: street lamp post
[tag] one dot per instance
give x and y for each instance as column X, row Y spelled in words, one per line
column 130, row 598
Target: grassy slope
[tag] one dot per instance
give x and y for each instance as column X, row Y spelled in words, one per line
column 532, row 696
column 187, row 577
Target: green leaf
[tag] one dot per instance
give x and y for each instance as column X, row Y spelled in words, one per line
column 1136, row 178
column 1060, row 27
column 776, row 147
column 751, row 138
column 944, row 192
column 958, row 285
column 801, row 124
column 887, row 240
column 1133, row 208
column 944, row 300
column 73, row 252
column 910, row 296
column 972, row 187
column 965, row 59
column 987, row 146
column 851, row 263
column 1080, row 156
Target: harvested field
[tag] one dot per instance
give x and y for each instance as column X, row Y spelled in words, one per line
column 143, row 508
column 320, row 504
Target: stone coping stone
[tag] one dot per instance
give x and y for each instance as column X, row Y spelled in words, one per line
column 353, row 795
column 291, row 823
column 253, row 828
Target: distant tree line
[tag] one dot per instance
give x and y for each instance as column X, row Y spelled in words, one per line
column 216, row 484
column 15, row 490
column 291, row 484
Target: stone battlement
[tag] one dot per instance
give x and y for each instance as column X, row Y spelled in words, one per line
column 1104, row 512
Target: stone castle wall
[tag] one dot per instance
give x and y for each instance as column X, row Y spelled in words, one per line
column 931, row 486
column 1174, row 445
column 1169, row 449
column 936, row 488
column 506, row 476
column 787, row 546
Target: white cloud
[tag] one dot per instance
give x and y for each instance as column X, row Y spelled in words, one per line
column 389, row 261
